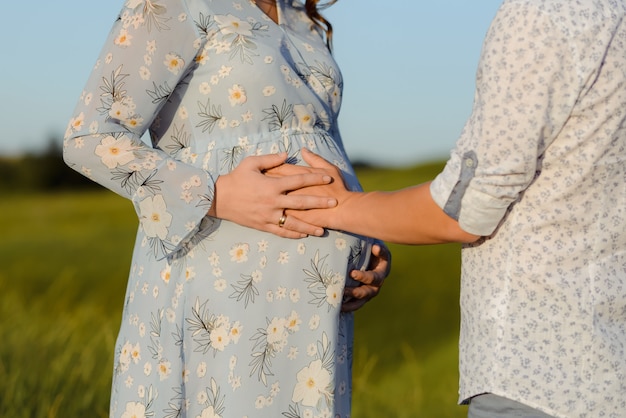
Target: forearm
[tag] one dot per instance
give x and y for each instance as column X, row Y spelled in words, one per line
column 407, row 216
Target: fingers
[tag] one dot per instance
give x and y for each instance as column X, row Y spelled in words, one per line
column 356, row 297
column 373, row 279
column 315, row 160
column 297, row 226
column 299, row 181
column 284, row 233
column 291, row 170
column 304, row 202
column 379, row 267
column 265, row 162
column 368, row 277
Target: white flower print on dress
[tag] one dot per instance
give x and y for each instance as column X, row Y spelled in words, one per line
column 164, row 369
column 220, row 285
column 235, row 332
column 314, row 382
column 122, row 109
column 257, row 276
column 202, row 397
column 135, row 353
column 144, row 73
column 269, row 91
column 281, row 293
column 114, row 152
column 125, row 356
column 225, row 71
column 247, row 117
column 220, row 338
column 154, row 217
column 77, row 123
column 209, row 413
column 263, row 246
column 293, row 322
column 334, row 294
column 276, row 331
column 314, row 322
column 151, row 47
column 214, row 259
column 201, row 370
column 190, row 273
column 174, row 63
column 134, row 410
column 305, row 117
column 231, row 25
column 131, row 4
column 237, row 95
column 205, row 88
column 283, row 257
column 147, row 369
column 202, row 57
column 239, row 252
column 123, row 39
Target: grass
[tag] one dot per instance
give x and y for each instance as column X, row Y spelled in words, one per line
column 64, row 260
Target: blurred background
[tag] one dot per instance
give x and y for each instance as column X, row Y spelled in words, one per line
column 65, row 244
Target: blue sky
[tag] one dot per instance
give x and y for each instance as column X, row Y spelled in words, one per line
column 408, row 67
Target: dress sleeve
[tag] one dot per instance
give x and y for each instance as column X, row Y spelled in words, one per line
column 150, row 50
column 527, row 83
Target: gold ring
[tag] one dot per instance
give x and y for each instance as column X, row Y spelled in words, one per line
column 281, row 221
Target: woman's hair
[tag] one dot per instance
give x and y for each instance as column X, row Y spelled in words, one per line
column 312, row 10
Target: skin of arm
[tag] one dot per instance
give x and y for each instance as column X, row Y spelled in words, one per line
column 406, row 216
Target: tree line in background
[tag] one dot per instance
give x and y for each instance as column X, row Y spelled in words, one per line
column 44, row 171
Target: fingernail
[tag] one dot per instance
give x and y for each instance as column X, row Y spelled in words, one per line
column 332, row 203
column 327, row 179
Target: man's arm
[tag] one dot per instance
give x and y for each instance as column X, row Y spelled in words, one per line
column 407, row 216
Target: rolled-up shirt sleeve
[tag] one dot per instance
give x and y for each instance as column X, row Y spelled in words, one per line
column 527, row 83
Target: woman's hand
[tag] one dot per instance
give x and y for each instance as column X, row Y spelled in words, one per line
column 372, row 279
column 252, row 196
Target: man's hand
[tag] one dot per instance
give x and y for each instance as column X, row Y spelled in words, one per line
column 334, row 192
column 372, row 279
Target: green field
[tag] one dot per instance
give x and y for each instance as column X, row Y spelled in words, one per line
column 64, row 259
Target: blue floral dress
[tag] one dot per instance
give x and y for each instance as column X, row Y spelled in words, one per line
column 219, row 320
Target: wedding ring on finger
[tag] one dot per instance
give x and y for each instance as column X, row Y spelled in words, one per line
column 281, row 221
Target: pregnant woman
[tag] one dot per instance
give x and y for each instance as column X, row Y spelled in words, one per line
column 220, row 320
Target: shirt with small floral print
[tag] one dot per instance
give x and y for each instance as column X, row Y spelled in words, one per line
column 539, row 171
